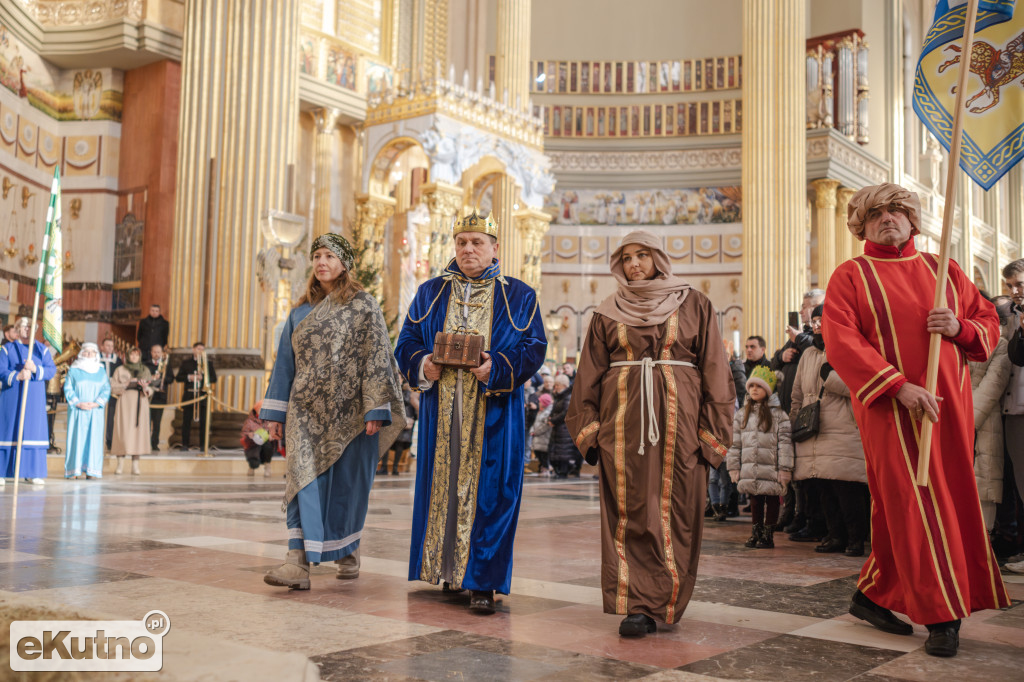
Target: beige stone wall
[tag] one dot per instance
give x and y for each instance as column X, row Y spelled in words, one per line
column 652, row 29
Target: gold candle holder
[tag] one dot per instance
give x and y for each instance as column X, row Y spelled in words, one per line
column 30, row 256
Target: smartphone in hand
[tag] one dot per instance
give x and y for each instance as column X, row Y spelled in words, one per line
column 794, row 320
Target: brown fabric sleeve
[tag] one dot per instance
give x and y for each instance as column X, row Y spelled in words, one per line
column 583, row 418
column 718, row 395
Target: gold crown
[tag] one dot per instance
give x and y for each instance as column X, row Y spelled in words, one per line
column 474, row 222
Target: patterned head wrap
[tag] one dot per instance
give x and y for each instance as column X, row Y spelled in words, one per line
column 338, row 245
column 765, row 378
column 878, row 196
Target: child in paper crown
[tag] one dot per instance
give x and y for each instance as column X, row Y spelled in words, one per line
column 259, row 448
column 760, row 460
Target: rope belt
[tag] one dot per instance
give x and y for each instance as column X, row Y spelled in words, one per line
column 647, row 394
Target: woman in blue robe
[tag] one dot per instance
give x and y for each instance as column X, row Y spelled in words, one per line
column 87, row 390
column 36, row 437
column 332, row 394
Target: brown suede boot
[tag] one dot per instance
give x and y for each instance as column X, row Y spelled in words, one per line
column 293, row 573
column 348, row 567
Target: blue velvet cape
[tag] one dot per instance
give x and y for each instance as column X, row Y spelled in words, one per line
column 516, row 354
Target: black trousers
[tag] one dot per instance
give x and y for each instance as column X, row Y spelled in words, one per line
column 846, row 510
column 396, row 451
column 111, row 409
column 813, row 490
column 189, row 414
column 261, row 454
column 156, row 415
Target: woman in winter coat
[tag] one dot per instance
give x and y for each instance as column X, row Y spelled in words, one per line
column 760, row 460
column 561, row 450
column 988, row 383
column 542, row 432
column 835, row 456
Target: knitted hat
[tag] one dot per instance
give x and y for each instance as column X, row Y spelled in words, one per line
column 818, row 311
column 765, row 378
column 544, row 400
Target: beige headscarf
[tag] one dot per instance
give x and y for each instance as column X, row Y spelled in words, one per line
column 648, row 302
column 877, row 196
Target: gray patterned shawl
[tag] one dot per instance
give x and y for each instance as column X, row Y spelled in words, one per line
column 344, row 368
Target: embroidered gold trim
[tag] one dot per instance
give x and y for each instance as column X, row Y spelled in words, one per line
column 668, row 461
column 439, row 292
column 471, row 438
column 586, row 431
column 622, row 589
column 508, row 311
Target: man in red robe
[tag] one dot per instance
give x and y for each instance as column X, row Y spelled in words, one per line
column 930, row 557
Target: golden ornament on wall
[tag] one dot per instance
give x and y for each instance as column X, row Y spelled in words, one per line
column 76, row 207
column 565, row 286
column 734, row 286
column 705, row 286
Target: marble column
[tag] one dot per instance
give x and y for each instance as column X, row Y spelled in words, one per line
column 236, row 150
column 511, row 81
column 828, row 235
column 445, row 204
column 963, row 250
column 512, row 56
column 372, row 215
column 510, row 241
column 774, row 165
column 326, row 120
column 532, row 225
column 847, row 246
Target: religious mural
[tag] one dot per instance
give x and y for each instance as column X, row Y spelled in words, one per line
column 702, row 206
column 83, row 95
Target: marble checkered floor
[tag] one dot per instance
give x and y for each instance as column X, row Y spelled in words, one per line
column 196, row 548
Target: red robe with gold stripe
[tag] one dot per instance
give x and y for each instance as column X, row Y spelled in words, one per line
column 930, row 554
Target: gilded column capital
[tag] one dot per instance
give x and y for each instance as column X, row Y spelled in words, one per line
column 442, row 198
column 825, row 192
column 372, row 214
column 326, row 120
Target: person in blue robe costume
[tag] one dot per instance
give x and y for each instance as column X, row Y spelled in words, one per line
column 469, row 471
column 334, row 388
column 36, row 437
column 87, row 390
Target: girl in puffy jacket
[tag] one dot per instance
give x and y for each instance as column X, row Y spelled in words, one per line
column 760, row 460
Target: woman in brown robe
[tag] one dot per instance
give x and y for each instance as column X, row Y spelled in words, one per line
column 130, row 384
column 652, row 405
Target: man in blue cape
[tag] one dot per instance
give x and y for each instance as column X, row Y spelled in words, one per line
column 469, row 473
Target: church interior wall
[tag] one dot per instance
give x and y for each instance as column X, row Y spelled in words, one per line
column 71, row 119
column 703, row 237
column 653, row 29
column 149, row 156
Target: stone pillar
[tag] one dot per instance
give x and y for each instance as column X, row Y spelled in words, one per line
column 532, row 225
column 372, row 215
column 963, row 251
column 236, row 150
column 510, row 241
column 774, row 166
column 847, row 246
column 326, row 120
column 828, row 235
column 512, row 56
column 445, row 204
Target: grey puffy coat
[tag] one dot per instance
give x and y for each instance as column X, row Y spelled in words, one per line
column 760, row 455
column 836, row 453
column 988, row 383
column 542, row 430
